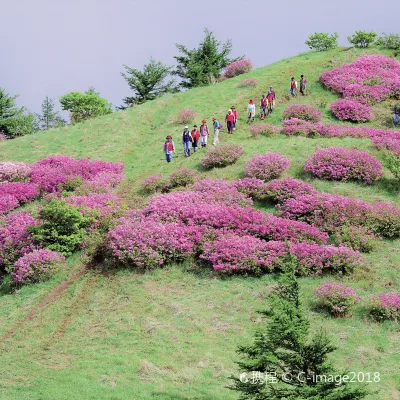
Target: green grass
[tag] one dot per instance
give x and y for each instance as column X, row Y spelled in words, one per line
column 172, row 333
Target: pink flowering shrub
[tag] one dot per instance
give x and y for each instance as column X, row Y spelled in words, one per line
column 280, row 190
column 237, row 68
column 37, row 266
column 344, row 164
column 267, row 166
column 153, row 184
column 222, row 156
column 15, row 239
column 349, row 110
column 23, row 192
column 389, row 142
column 182, row 177
column 264, row 129
column 355, row 237
column 252, row 187
column 147, row 244
column 102, row 183
column 185, row 116
column 8, row 202
column 330, row 212
column 249, row 82
column 299, row 127
column 14, row 171
column 369, row 95
column 386, row 306
column 336, row 298
column 302, row 111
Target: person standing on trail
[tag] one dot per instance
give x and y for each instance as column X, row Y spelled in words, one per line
column 236, row 115
column 303, row 84
column 186, row 141
column 293, row 87
column 396, row 117
column 204, row 133
column 216, row 127
column 263, row 107
column 195, row 138
column 271, row 95
column 169, row 148
column 230, row 121
column 251, row 111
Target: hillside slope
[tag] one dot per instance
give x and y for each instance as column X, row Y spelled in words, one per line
column 171, row 334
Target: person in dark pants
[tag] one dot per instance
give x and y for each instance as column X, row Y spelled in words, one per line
column 396, row 118
column 195, row 138
column 169, row 148
column 303, row 84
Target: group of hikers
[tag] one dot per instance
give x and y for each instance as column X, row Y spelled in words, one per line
column 191, row 139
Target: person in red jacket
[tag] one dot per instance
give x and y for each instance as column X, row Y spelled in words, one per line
column 195, row 138
column 230, row 120
column 293, row 87
column 169, row 148
column 236, row 115
column 263, row 107
column 270, row 101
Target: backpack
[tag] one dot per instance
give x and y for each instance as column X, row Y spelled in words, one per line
column 220, row 126
column 264, row 102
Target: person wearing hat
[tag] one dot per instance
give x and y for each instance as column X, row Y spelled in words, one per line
column 236, row 115
column 169, row 148
column 230, row 119
column 271, row 99
column 216, row 127
column 195, row 138
column 263, row 107
column 204, row 133
column 186, row 141
column 251, row 111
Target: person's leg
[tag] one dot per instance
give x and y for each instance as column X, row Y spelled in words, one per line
column 205, row 141
column 168, row 157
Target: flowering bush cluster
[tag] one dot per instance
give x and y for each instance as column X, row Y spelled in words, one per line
column 330, row 212
column 280, row 190
column 13, row 171
column 153, row 184
column 237, row 68
column 37, row 266
column 103, row 182
column 304, row 112
column 249, row 82
column 366, row 94
column 386, row 306
column 264, row 129
column 344, row 164
column 267, row 166
column 185, row 116
column 252, row 187
column 23, row 192
column 299, row 127
column 336, row 298
column 356, row 237
column 350, row 110
column 182, row 177
column 222, row 156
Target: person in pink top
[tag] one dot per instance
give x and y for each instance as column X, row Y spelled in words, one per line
column 236, row 115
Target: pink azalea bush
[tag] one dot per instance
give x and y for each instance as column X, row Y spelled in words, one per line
column 336, row 298
column 14, row 171
column 303, row 112
column 185, row 116
column 37, row 266
column 386, row 306
column 299, row 127
column 23, row 192
column 182, row 177
column 366, row 94
column 330, row 212
column 102, row 183
column 155, row 183
column 249, row 82
column 222, row 156
column 280, row 190
column 349, row 110
column 355, row 237
column 252, row 187
column 237, row 68
column 267, row 166
column 8, row 202
column 264, row 129
column 344, row 164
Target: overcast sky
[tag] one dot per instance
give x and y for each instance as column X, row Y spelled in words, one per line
column 51, row 47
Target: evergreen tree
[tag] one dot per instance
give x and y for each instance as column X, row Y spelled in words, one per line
column 284, row 363
column 49, row 117
column 149, row 83
column 14, row 121
column 201, row 66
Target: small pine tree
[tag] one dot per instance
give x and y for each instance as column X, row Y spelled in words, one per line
column 362, row 38
column 283, row 363
column 49, row 117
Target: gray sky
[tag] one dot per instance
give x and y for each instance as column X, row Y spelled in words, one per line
column 51, row 47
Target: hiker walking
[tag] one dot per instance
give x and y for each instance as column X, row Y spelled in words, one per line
column 230, row 121
column 293, row 87
column 169, row 148
column 251, row 111
column 204, row 133
column 186, row 141
column 271, row 99
column 216, row 126
column 263, row 107
column 396, row 117
column 236, row 115
column 195, row 138
column 303, row 84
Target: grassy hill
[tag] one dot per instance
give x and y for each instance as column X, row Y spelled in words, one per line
column 172, row 334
